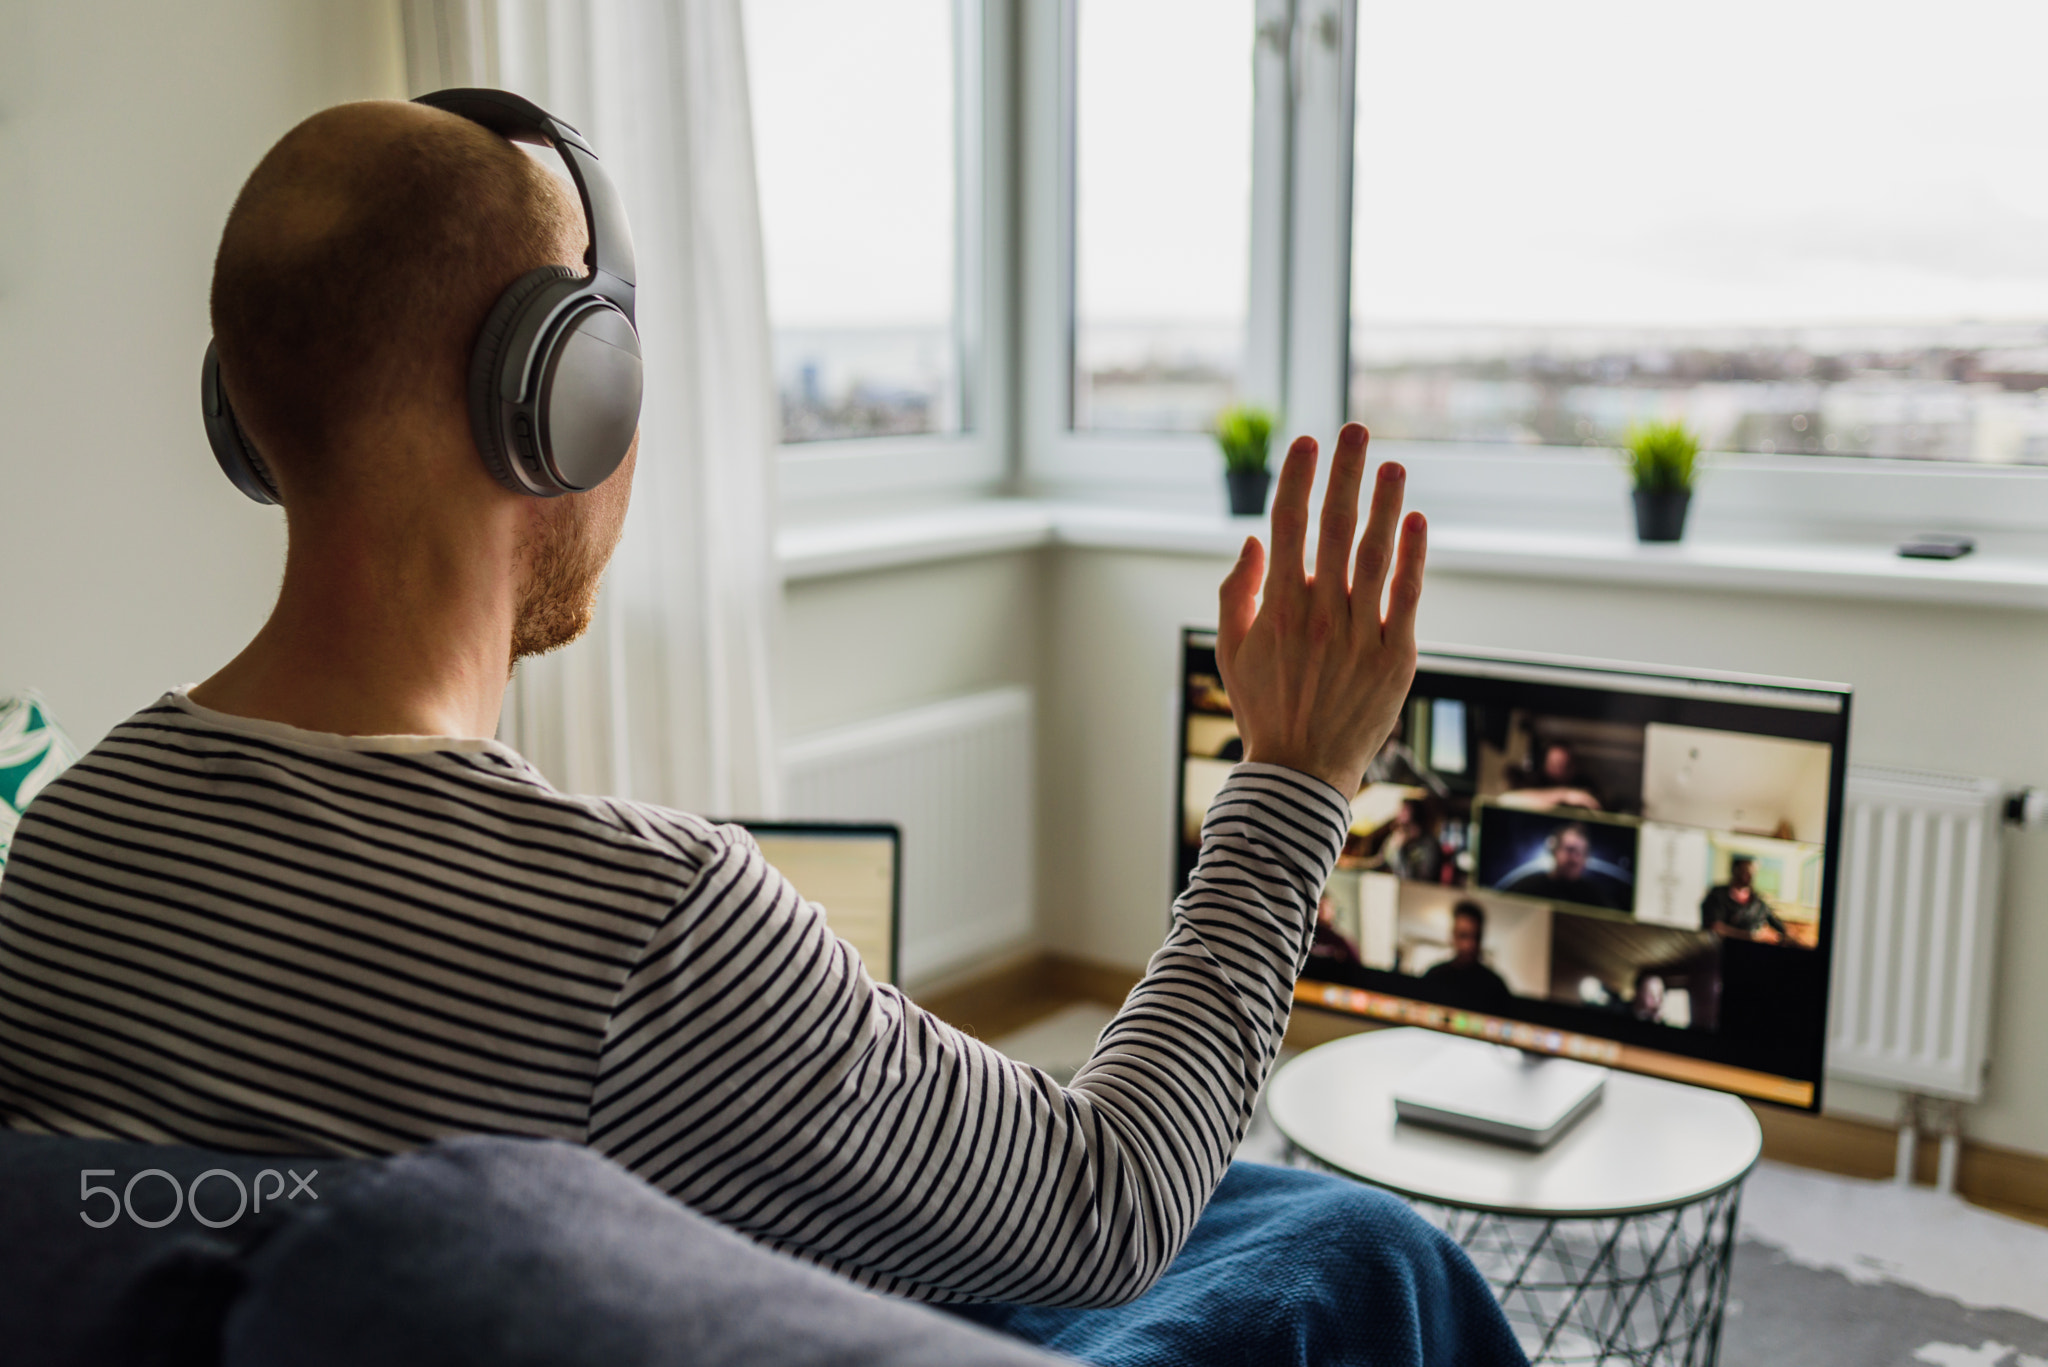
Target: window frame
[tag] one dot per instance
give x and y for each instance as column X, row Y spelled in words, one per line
column 1056, row 458
column 1299, row 330
column 821, row 477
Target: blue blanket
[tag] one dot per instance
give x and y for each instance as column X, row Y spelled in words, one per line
column 1290, row 1267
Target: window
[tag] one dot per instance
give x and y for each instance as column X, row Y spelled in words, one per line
column 1503, row 231
column 858, row 153
column 1162, row 133
column 1798, row 226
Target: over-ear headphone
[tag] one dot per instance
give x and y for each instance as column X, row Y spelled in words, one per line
column 555, row 376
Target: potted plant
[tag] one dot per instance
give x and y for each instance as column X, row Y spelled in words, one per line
column 1245, row 433
column 1662, row 458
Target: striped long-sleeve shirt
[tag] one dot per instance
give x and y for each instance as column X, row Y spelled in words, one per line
column 237, row 934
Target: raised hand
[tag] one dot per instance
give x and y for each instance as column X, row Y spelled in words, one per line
column 1316, row 672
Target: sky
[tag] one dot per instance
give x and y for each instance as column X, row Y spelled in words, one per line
column 1162, row 175
column 1611, row 161
column 853, row 137
column 1569, row 162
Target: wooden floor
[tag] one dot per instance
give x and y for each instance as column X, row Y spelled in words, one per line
column 1031, row 987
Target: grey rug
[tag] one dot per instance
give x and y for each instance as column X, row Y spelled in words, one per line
column 1781, row 1314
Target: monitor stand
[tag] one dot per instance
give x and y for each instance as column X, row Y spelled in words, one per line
column 1496, row 1092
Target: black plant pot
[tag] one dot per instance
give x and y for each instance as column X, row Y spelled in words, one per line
column 1248, row 491
column 1660, row 514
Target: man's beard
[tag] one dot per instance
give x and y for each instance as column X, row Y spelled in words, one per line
column 560, row 595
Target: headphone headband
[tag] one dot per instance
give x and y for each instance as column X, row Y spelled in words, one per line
column 610, row 255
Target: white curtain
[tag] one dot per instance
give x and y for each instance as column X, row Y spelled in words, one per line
column 668, row 698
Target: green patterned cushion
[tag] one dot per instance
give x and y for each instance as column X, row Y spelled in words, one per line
column 33, row 750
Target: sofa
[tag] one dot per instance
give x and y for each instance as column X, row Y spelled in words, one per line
column 483, row 1250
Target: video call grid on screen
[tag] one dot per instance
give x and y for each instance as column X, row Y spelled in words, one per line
column 1577, row 856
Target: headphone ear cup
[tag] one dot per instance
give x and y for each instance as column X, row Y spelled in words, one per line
column 232, row 449
column 485, row 359
column 255, row 459
column 589, row 395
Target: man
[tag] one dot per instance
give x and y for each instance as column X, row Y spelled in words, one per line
column 1471, row 982
column 1553, row 781
column 311, row 905
column 1570, row 877
column 1737, row 910
column 1329, row 943
column 1648, row 1002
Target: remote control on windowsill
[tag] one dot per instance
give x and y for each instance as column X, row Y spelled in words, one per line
column 1936, row 547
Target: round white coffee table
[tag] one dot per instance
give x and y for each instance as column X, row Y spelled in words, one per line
column 1612, row 1245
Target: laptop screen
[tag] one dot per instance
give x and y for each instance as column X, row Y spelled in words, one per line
column 853, row 871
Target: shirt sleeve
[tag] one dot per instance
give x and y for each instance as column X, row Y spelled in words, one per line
column 752, row 1069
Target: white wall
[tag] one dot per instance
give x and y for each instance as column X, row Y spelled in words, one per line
column 1954, row 689
column 126, row 127
column 864, row 645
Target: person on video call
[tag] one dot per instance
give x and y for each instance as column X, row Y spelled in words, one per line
column 1736, row 909
column 1570, row 877
column 311, row 906
column 1648, row 1002
column 1330, row 944
column 1470, row 982
column 1553, row 780
column 1414, row 850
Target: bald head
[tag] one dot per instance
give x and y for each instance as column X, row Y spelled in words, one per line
column 356, row 270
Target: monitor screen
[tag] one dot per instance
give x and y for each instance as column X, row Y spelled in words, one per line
column 849, row 869
column 1618, row 863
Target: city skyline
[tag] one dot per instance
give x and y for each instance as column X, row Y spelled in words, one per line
column 1952, row 391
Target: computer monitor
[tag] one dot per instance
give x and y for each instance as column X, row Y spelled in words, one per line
column 854, row 871
column 1617, row 863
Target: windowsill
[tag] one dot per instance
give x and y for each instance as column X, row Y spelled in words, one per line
column 2007, row 571
column 984, row 527
column 1994, row 576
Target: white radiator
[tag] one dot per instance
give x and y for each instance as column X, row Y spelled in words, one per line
column 958, row 777
column 1915, row 930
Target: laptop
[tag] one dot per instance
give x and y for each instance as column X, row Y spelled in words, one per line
column 854, row 870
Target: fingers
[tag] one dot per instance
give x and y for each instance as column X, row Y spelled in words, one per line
column 1340, row 516
column 1290, row 514
column 1238, row 603
column 1406, row 593
column 1376, row 547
